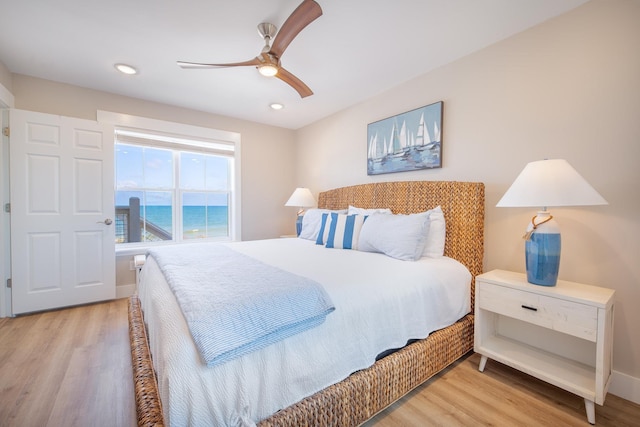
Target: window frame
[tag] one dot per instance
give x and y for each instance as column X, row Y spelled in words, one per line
column 205, row 136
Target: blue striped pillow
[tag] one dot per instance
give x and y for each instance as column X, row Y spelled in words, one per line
column 323, row 233
column 344, row 231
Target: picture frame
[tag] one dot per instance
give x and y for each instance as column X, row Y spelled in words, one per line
column 405, row 142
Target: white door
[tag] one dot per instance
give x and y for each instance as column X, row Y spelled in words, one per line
column 62, row 210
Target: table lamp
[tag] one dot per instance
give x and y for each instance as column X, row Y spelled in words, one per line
column 302, row 198
column 547, row 183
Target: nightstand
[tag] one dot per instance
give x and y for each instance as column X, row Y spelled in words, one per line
column 562, row 334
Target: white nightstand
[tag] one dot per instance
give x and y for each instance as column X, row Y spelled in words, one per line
column 562, row 334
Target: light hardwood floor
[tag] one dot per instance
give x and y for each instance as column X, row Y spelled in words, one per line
column 72, row 367
column 67, row 367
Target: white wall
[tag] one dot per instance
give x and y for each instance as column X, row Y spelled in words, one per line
column 265, row 151
column 6, row 78
column 568, row 88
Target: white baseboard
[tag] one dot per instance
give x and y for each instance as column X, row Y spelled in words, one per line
column 625, row 386
column 125, row 291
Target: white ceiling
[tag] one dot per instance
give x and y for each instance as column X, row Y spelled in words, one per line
column 357, row 49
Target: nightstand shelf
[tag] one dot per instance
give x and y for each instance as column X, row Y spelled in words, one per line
column 562, row 335
column 562, row 372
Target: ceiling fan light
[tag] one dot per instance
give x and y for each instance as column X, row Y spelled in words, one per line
column 268, row 70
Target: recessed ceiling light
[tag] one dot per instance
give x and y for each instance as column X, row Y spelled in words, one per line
column 276, row 106
column 126, row 69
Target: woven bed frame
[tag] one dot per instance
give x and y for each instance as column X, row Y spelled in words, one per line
column 364, row 393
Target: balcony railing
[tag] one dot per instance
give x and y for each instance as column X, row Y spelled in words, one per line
column 130, row 227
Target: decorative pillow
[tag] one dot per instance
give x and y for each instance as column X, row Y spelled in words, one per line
column 361, row 211
column 344, row 231
column 434, row 247
column 398, row 236
column 311, row 222
column 323, row 233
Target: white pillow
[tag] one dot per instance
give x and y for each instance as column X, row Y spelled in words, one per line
column 311, row 222
column 398, row 236
column 362, row 211
column 434, row 245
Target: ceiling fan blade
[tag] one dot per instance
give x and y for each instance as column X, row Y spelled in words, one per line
column 294, row 82
column 307, row 12
column 254, row 61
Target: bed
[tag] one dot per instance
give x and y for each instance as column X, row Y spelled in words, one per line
column 366, row 391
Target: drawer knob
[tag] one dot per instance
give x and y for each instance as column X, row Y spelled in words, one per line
column 529, row 308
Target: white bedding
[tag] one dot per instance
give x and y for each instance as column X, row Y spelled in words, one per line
column 380, row 303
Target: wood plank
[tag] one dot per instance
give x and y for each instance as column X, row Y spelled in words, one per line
column 68, row 367
column 500, row 396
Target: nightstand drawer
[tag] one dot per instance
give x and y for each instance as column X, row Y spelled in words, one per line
column 569, row 317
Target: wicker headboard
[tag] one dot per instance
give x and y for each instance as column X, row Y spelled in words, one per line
column 461, row 202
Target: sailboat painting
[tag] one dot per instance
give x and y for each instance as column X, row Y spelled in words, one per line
column 406, row 142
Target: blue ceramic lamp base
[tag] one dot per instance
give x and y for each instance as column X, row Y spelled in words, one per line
column 542, row 255
column 298, row 224
column 542, row 250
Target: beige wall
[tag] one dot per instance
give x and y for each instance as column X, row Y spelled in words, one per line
column 265, row 150
column 569, row 88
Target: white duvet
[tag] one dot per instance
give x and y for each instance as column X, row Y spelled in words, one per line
column 380, row 303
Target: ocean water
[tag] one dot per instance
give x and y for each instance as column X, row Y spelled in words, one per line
column 198, row 221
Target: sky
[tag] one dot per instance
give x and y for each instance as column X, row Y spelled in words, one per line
column 151, row 169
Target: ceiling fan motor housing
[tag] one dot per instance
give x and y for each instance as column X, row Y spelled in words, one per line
column 267, row 30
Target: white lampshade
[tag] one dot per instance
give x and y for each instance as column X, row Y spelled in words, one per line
column 550, row 183
column 302, row 198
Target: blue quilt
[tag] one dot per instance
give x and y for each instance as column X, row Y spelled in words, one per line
column 235, row 304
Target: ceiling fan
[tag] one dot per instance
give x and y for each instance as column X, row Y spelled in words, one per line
column 268, row 61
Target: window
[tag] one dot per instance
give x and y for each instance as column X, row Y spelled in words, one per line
column 172, row 188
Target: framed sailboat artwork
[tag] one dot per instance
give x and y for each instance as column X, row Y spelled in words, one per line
column 406, row 142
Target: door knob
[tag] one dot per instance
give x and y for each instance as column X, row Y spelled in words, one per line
column 107, row 221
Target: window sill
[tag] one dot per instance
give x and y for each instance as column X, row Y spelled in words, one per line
column 141, row 248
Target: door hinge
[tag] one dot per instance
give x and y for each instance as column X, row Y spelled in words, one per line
column 7, row 207
column 9, row 283
column 6, row 131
